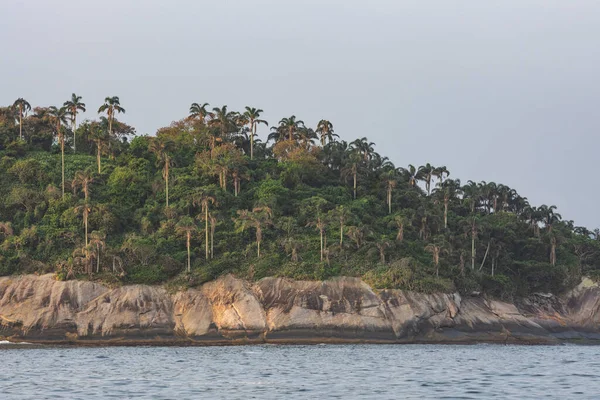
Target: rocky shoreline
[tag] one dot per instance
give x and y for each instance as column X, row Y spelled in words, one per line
column 229, row 311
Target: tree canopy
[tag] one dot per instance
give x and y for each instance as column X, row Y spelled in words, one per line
column 205, row 197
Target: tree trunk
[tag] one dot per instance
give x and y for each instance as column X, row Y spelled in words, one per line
column 20, row 122
column 212, row 243
column 258, row 248
column 189, row 266
column 206, row 230
column 252, row 133
column 74, row 129
column 341, row 234
column 389, row 200
column 62, row 156
column 473, row 247
column 445, row 213
column 167, row 180
column 97, row 258
column 321, row 234
column 487, row 250
column 354, row 185
column 85, row 223
column 98, row 156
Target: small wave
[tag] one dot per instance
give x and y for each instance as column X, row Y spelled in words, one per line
column 5, row 342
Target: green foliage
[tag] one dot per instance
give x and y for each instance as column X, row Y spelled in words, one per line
column 408, row 228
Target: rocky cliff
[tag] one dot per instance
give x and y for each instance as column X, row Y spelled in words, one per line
column 276, row 310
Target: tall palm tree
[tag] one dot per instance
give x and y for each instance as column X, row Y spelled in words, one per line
column 364, row 147
column 83, row 179
column 59, row 117
column 84, row 210
column 325, row 131
column 353, row 159
column 161, row 147
column 98, row 240
column 320, row 225
column 214, row 220
column 436, row 249
column 23, row 106
column 186, row 227
column 426, row 173
column 100, row 137
column 341, row 214
column 252, row 115
column 204, row 200
column 390, row 184
column 410, row 174
column 448, row 190
column 258, row 218
column 111, row 106
column 287, row 127
column 224, row 121
column 199, row 111
column 74, row 106
column 439, row 173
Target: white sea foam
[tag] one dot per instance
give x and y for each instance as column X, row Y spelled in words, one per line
column 7, row 342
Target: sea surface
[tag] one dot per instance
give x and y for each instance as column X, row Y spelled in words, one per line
column 301, row 372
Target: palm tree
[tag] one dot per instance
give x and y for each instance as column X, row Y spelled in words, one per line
column 410, row 174
column 357, row 234
column 400, row 220
column 341, row 214
column 352, row 170
column 59, row 116
column 237, row 176
column 161, row 147
column 258, row 218
column 390, row 184
column 111, row 106
column 74, row 106
column 85, row 211
column 426, row 173
column 204, row 200
column 252, row 115
column 23, row 106
column 449, row 190
column 98, row 240
column 287, row 127
column 364, row 147
column 325, row 131
column 435, row 249
column 199, row 111
column 439, row 172
column 224, row 121
column 99, row 136
column 186, row 227
column 214, row 220
column 320, row 226
column 83, row 179
column 381, row 245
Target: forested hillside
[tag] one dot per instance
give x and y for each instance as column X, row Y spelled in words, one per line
column 206, row 197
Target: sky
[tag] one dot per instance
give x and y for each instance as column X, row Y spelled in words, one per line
column 500, row 90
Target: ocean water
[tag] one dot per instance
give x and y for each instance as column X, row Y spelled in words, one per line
column 301, row 372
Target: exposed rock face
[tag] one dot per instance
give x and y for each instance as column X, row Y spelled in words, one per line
column 229, row 310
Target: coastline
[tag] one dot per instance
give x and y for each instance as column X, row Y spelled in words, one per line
column 230, row 311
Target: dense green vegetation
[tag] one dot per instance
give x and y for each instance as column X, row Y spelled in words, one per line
column 205, row 197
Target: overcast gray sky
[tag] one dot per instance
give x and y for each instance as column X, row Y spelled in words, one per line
column 496, row 90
